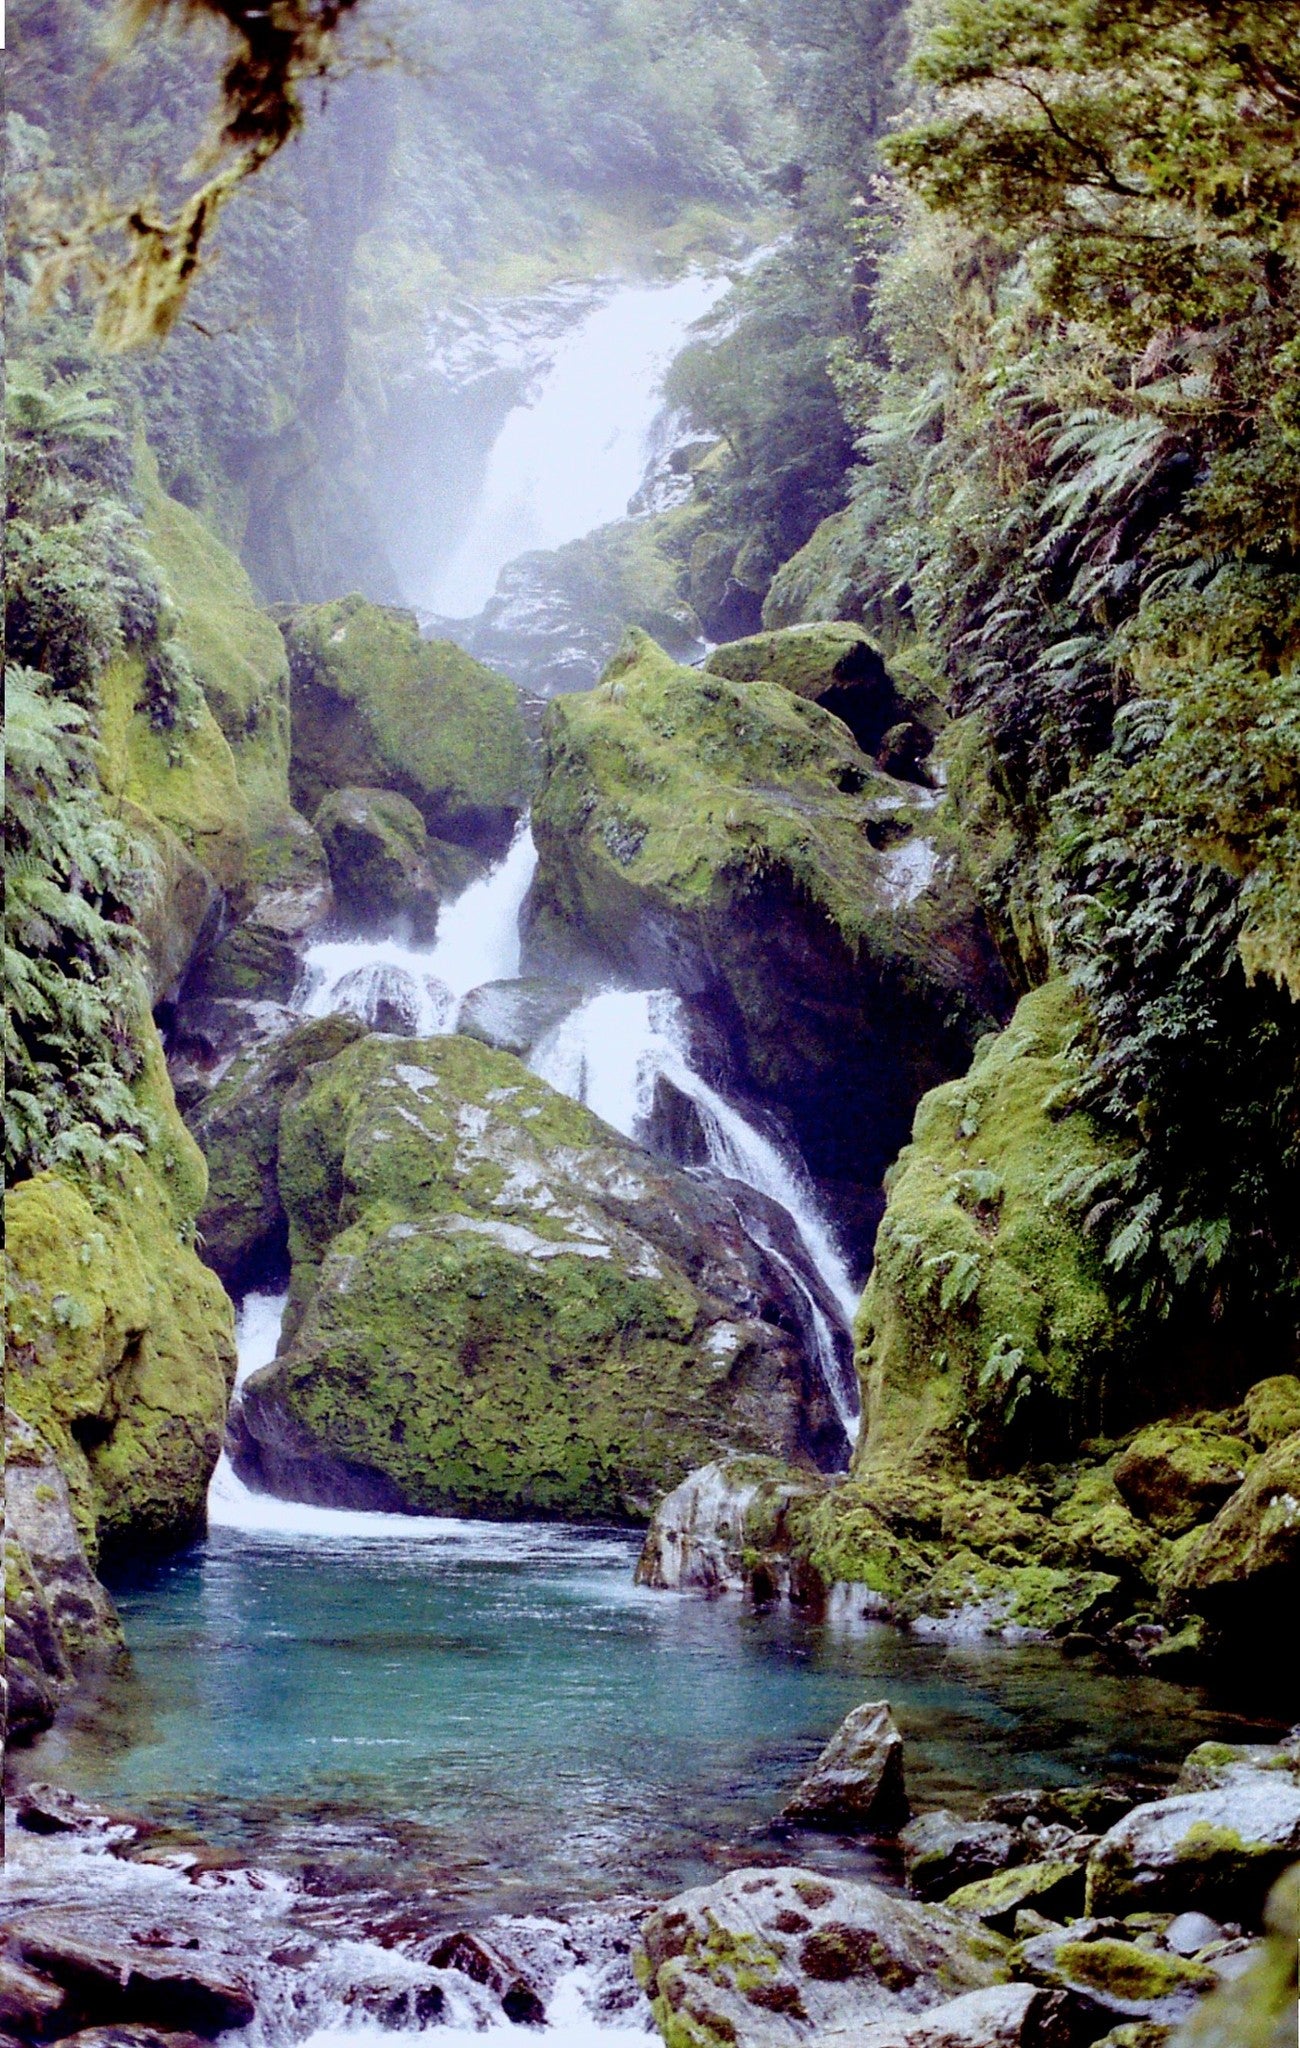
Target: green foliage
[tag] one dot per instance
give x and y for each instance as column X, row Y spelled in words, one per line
column 70, row 1049
column 1080, row 486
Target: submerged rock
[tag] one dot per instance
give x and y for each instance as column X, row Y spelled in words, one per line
column 108, row 1979
column 775, row 1958
column 858, row 1780
column 376, row 707
column 500, row 1305
column 731, row 840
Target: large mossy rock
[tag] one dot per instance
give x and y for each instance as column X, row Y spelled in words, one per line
column 120, row 1341
column 987, row 1322
column 376, row 707
column 242, row 1225
column 731, row 840
column 841, row 668
column 1242, row 1570
column 501, row 1306
column 776, row 1958
column 385, row 871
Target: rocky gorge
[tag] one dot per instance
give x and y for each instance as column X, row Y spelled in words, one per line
column 651, row 1365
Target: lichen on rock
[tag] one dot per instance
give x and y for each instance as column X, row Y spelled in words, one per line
column 500, row 1305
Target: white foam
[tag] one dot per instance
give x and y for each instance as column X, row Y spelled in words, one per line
column 478, row 941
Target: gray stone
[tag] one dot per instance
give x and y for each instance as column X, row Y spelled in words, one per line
column 1004, row 2016
column 857, row 1781
column 941, row 1850
column 514, row 1016
column 113, row 1979
column 780, row 1958
column 1114, row 1975
column 1187, row 1933
column 1217, row 1850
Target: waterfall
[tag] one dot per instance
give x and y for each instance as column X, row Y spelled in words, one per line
column 610, row 1054
column 417, row 990
column 570, row 456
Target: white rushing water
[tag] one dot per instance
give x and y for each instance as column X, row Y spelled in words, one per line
column 610, row 1054
column 423, row 986
column 569, row 458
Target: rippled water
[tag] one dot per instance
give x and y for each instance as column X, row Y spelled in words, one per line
column 502, row 1713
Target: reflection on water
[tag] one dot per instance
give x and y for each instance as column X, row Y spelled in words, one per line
column 505, row 1713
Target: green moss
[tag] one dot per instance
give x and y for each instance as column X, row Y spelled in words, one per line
column 1175, row 1474
column 185, row 780
column 1052, row 1887
column 987, row 1319
column 1273, row 1408
column 468, row 1316
column 1123, row 1971
column 374, row 705
column 236, row 651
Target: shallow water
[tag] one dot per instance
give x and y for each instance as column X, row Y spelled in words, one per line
column 500, row 1711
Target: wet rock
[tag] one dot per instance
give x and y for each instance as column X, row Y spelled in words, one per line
column 1257, row 2009
column 260, row 957
column 731, row 840
column 674, row 1127
column 1054, row 1888
column 374, row 706
column 502, row 1305
column 1176, row 1474
column 942, row 1851
column 774, row 1958
column 111, row 1977
column 1188, row 1933
column 1243, row 1570
column 1216, row 1851
column 242, row 1223
column 858, row 1780
column 385, row 870
column 480, row 1960
column 31, row 2005
column 127, row 2036
column 1004, row 2016
column 1115, row 1975
column 208, row 1034
column 513, row 1016
column 43, row 1809
column 724, row 1522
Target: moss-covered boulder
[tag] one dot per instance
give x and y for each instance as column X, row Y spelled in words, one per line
column 385, row 870
column 1272, row 1409
column 776, row 1958
column 1242, row 1571
column 733, row 841
column 1217, row 1851
column 376, row 707
column 289, row 895
column 500, row 1306
column 120, row 1342
column 242, row 1225
column 988, row 1325
column 1176, row 1474
column 841, row 668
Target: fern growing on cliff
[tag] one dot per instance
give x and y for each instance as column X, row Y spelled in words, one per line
column 70, row 1045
